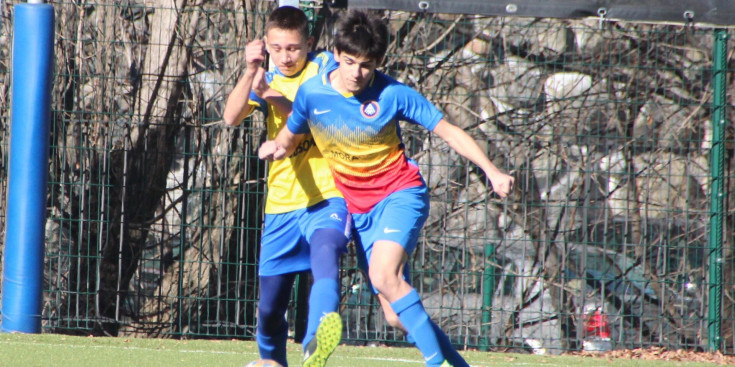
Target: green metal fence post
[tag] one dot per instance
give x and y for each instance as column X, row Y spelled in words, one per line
column 717, row 193
column 488, row 289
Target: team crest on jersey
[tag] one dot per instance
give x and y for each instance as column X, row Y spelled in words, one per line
column 370, row 109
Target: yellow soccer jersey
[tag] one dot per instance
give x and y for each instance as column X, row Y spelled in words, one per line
column 304, row 179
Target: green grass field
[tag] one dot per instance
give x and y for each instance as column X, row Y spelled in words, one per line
column 61, row 350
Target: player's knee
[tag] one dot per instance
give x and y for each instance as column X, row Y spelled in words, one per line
column 327, row 245
column 329, row 240
column 269, row 316
column 384, row 281
column 265, row 312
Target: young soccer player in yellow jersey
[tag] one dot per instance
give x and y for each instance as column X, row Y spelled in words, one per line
column 352, row 111
column 306, row 220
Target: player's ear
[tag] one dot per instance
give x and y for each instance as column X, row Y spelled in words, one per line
column 309, row 43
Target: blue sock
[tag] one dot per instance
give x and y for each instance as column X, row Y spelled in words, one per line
column 275, row 292
column 450, row 353
column 326, row 247
column 323, row 299
column 416, row 321
column 273, row 346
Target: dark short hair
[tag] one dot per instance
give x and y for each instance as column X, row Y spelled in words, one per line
column 288, row 18
column 360, row 33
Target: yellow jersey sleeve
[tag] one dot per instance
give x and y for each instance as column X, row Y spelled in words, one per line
column 304, row 179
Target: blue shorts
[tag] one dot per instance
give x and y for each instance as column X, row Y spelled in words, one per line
column 398, row 218
column 284, row 246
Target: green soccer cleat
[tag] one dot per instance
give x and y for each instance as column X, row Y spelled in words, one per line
column 328, row 335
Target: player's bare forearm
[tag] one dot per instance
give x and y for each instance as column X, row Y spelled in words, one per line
column 273, row 97
column 467, row 147
column 237, row 106
column 278, row 101
column 281, row 147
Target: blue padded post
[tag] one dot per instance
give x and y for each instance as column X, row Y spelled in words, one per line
column 22, row 287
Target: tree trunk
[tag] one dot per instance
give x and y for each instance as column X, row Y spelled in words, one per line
column 148, row 153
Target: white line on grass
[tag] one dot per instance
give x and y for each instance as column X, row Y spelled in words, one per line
column 387, row 359
column 376, row 359
column 119, row 347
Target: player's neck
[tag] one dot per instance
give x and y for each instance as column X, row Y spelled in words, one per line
column 337, row 84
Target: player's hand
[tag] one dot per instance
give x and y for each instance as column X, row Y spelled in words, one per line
column 267, row 149
column 254, row 54
column 502, row 183
column 260, row 86
column 271, row 151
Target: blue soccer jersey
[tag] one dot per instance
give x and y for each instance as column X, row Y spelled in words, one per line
column 360, row 137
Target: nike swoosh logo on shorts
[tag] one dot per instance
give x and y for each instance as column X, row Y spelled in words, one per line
column 388, row 230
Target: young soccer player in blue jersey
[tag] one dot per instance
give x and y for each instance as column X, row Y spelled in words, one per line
column 306, row 220
column 352, row 111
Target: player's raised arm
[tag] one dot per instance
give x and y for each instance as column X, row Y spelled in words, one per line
column 466, row 146
column 237, row 106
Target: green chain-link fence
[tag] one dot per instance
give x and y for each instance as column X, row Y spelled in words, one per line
column 155, row 206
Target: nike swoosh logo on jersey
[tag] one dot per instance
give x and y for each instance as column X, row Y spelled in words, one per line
column 317, row 112
column 388, row 230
